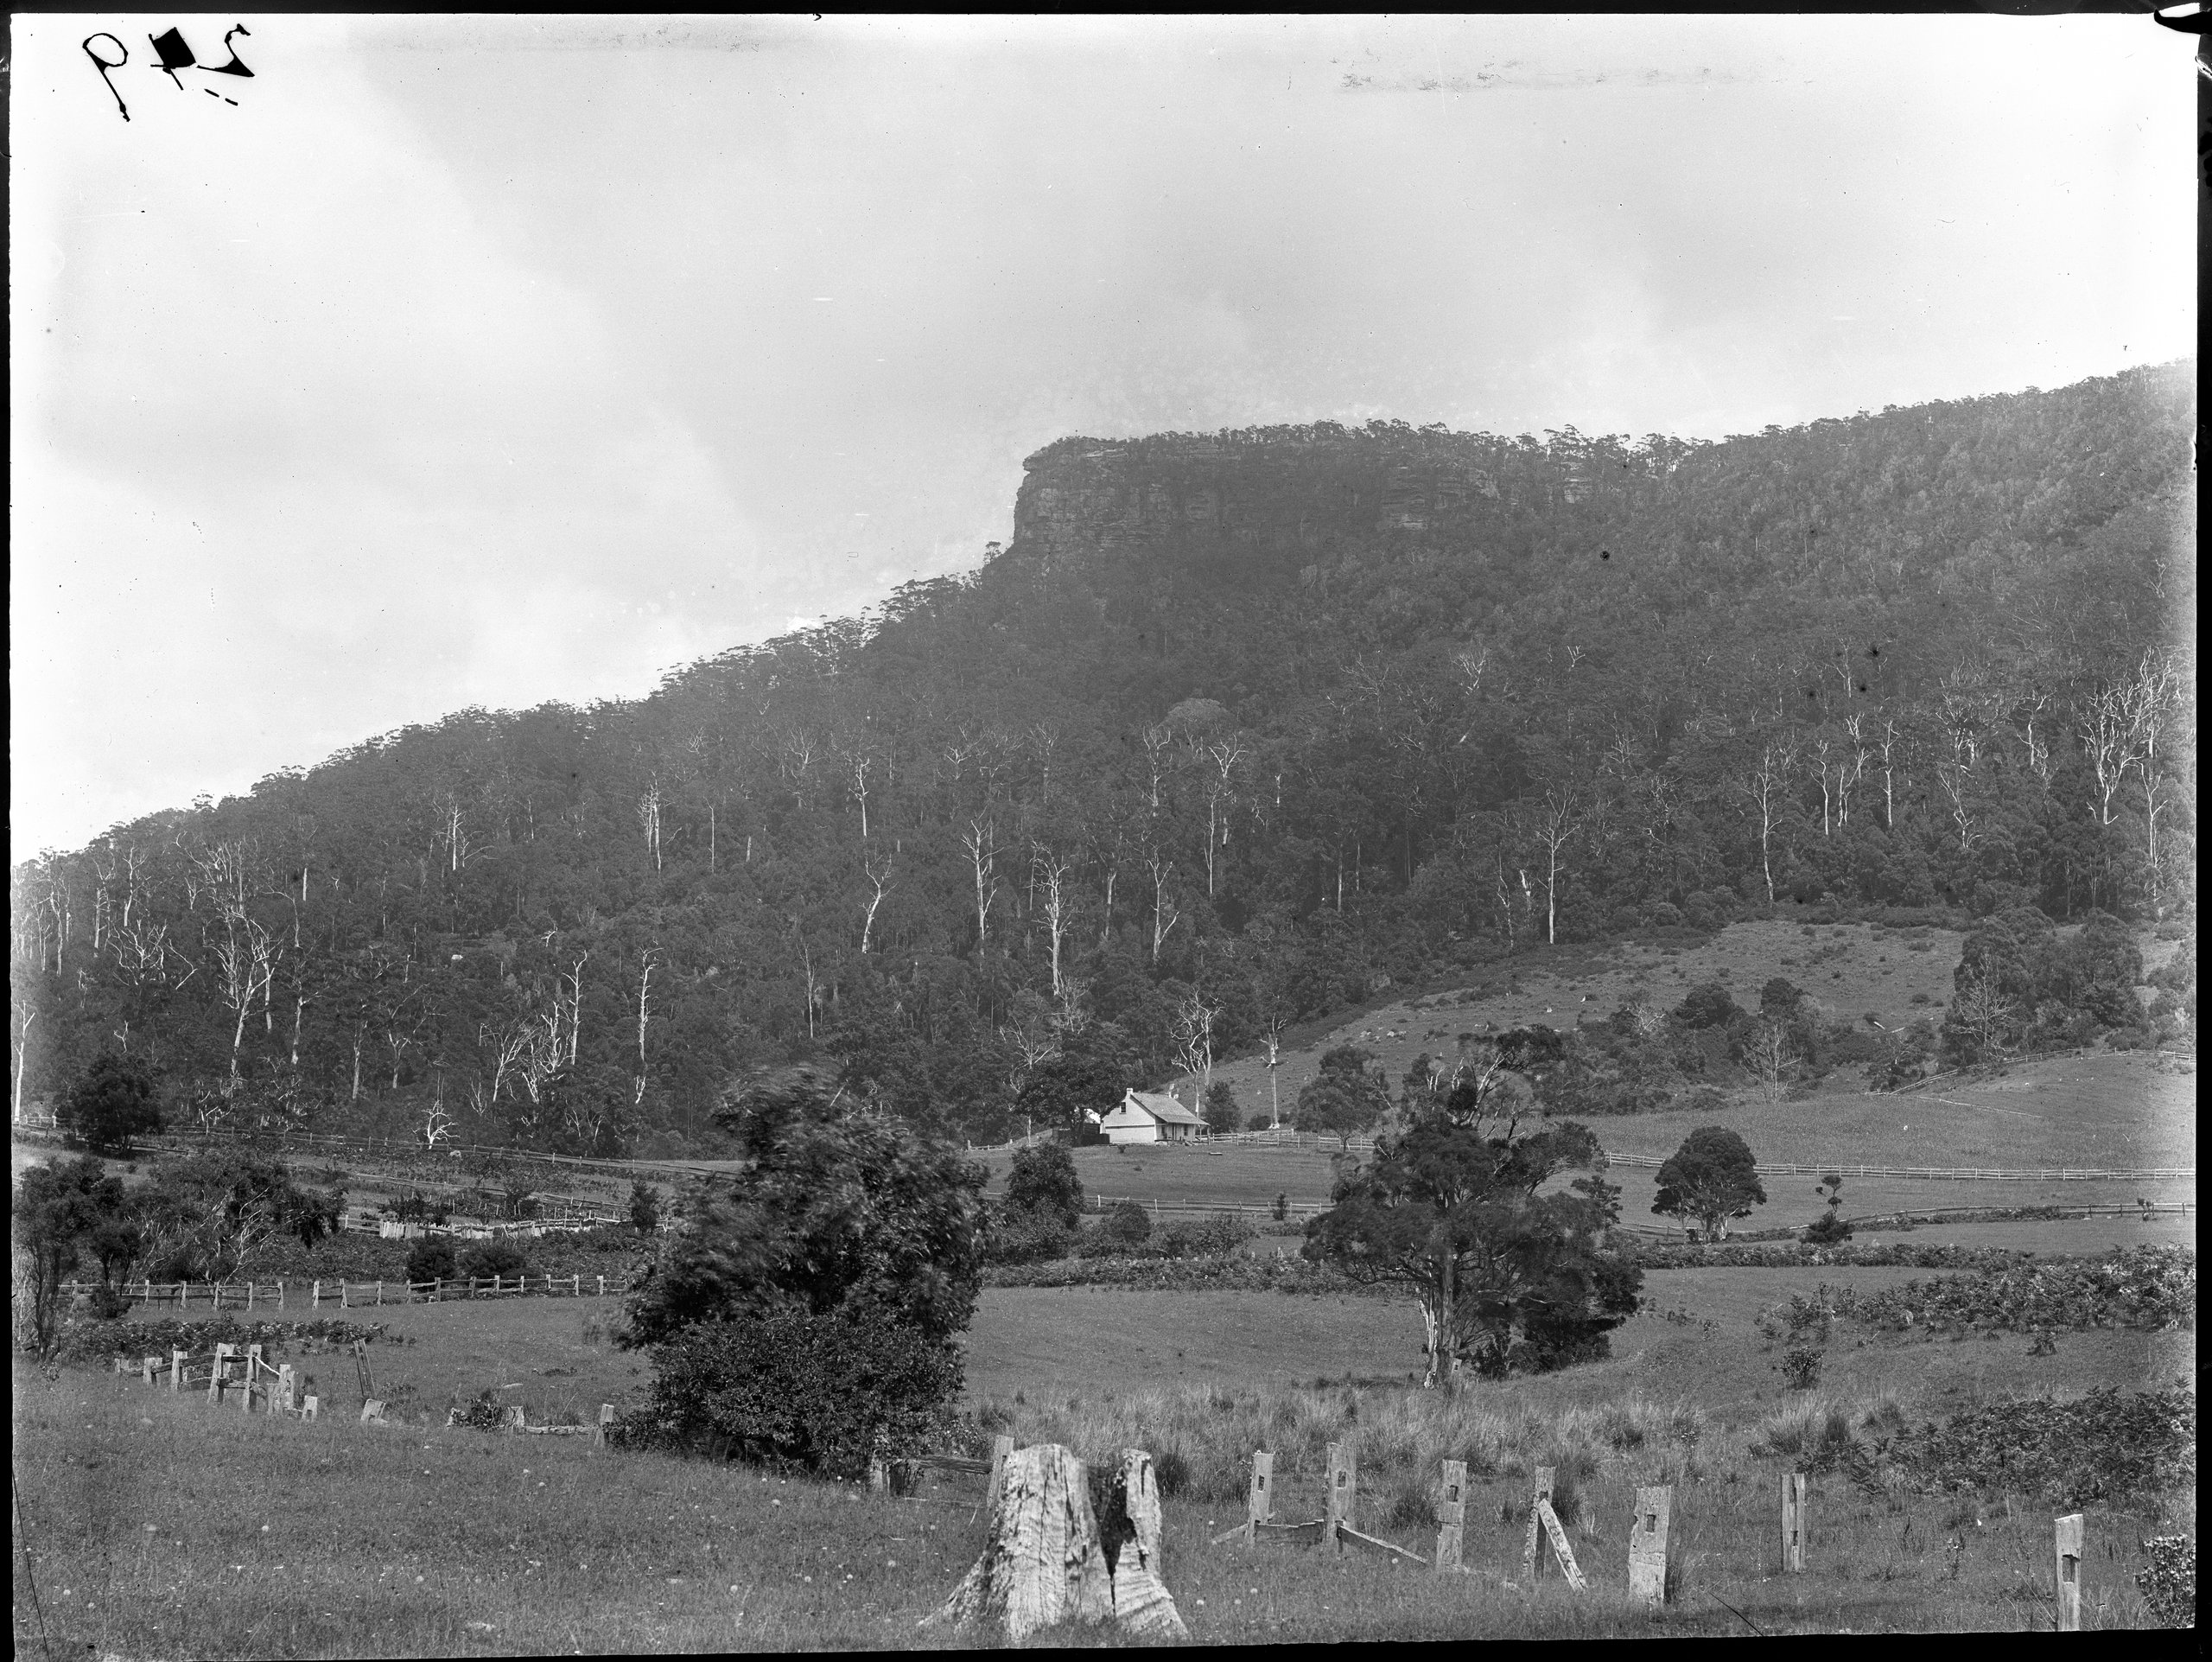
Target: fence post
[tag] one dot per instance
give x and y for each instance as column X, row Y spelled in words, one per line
column 512, row 1418
column 1646, row 1547
column 1343, row 1487
column 176, row 1370
column 2069, row 1573
column 146, row 1371
column 286, row 1387
column 343, row 1303
column 252, row 1373
column 1451, row 1515
column 1001, row 1452
column 1793, row 1523
column 1531, row 1565
column 280, row 1292
column 606, row 1419
column 249, row 1294
column 379, row 1292
column 215, row 1373
column 314, row 1299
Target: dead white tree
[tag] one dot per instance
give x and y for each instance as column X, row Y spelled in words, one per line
column 981, row 840
column 649, row 818
column 1165, row 914
column 649, row 960
column 1224, row 755
column 1768, row 791
column 878, row 873
column 1555, row 828
column 1194, row 1020
column 1054, row 871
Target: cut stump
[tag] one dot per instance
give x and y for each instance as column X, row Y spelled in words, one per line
column 1046, row 1563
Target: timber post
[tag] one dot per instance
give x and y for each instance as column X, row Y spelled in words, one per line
column 2068, row 1578
column 1344, row 1491
column 1451, row 1515
column 1531, row 1565
column 1001, row 1452
column 1259, row 1502
column 1793, row 1523
column 1647, row 1545
column 606, row 1419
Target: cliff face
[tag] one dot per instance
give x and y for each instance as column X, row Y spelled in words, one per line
column 1290, row 488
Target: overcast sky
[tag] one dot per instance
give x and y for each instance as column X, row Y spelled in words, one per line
column 488, row 361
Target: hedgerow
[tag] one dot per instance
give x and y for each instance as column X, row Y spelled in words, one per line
column 1234, row 1273
column 2145, row 1287
column 1791, row 1255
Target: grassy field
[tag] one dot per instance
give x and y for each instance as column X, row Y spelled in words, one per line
column 158, row 1527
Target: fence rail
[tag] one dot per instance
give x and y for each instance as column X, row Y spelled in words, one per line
column 354, row 1294
column 1252, row 1211
column 1967, row 1173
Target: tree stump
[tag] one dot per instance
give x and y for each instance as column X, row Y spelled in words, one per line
column 1046, row 1561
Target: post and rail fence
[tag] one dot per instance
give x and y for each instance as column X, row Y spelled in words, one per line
column 352, row 1294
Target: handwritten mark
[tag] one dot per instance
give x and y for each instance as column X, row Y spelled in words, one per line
column 174, row 56
column 123, row 57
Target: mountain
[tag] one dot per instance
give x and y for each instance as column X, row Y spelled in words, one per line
column 1238, row 728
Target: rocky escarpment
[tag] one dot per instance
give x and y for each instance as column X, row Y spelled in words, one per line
column 1291, row 487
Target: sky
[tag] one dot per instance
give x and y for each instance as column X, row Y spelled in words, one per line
column 450, row 361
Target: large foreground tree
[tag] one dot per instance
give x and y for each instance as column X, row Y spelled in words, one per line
column 1509, row 1276
column 840, row 1211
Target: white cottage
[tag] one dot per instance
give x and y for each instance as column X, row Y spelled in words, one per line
column 1151, row 1116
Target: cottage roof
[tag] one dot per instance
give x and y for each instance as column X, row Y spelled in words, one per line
column 1161, row 1106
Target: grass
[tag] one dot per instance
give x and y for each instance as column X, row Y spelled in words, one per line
column 158, row 1527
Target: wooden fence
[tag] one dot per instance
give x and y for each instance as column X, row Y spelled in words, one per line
column 1953, row 1173
column 355, row 1295
column 1650, row 1530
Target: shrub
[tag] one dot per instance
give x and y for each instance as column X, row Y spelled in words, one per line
column 819, row 1392
column 2121, row 1447
column 116, row 1100
column 2169, row 1583
column 2144, row 1288
column 1206, row 1238
column 489, row 1259
column 1044, row 1178
column 1129, row 1222
column 1020, row 1236
column 430, row 1259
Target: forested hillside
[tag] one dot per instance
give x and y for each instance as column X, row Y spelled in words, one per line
column 1238, row 729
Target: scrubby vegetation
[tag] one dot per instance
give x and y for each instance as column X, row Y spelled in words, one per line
column 2149, row 1288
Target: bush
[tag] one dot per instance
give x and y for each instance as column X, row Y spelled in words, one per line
column 116, row 1100
column 430, row 1259
column 817, row 1393
column 1020, row 1236
column 1205, row 1237
column 2169, row 1583
column 1129, row 1222
column 1044, row 1178
column 489, row 1259
column 2121, row 1447
column 2144, row 1288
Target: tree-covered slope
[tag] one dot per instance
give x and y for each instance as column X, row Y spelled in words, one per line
column 1237, row 729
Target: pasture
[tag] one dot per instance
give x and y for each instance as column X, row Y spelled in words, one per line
column 161, row 1527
